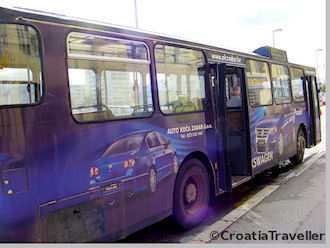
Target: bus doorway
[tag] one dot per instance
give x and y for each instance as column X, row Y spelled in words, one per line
column 232, row 110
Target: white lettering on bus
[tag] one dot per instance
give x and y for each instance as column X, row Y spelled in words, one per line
column 262, row 159
column 189, row 128
column 227, row 58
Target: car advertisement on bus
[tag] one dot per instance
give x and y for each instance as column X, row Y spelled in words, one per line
column 273, row 133
column 145, row 157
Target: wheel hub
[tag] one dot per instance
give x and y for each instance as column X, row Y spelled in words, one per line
column 301, row 145
column 190, row 193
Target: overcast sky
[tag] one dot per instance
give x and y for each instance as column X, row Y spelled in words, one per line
column 242, row 25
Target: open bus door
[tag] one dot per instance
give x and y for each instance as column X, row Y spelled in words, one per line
column 313, row 110
column 232, row 125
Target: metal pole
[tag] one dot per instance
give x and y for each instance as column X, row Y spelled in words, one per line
column 136, row 14
column 317, row 64
column 274, row 31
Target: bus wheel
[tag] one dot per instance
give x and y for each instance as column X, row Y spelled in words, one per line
column 191, row 194
column 152, row 180
column 301, row 145
column 276, row 170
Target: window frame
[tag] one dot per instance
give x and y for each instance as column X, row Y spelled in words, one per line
column 303, row 84
column 271, row 84
column 112, row 37
column 156, row 79
column 289, row 83
column 42, row 67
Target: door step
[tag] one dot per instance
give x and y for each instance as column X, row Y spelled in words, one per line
column 238, row 180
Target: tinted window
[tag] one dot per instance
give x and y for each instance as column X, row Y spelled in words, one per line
column 20, row 66
column 83, row 90
column 281, row 86
column 297, row 84
column 128, row 144
column 180, row 78
column 258, row 82
column 233, row 90
column 109, row 78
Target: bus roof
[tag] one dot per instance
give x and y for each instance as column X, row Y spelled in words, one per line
column 30, row 15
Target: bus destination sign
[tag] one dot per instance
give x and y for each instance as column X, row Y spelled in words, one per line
column 226, row 58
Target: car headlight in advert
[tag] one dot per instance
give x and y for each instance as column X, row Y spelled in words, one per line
column 273, row 130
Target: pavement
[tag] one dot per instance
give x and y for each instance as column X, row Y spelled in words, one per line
column 297, row 205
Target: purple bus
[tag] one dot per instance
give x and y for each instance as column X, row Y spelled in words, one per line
column 105, row 130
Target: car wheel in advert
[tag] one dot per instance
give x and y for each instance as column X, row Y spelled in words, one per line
column 152, row 180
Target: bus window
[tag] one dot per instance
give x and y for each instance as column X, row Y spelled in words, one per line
column 83, row 89
column 281, row 87
column 109, row 78
column 181, row 85
column 258, row 83
column 20, row 66
column 297, row 84
column 233, row 91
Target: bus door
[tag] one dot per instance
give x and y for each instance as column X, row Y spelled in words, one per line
column 232, row 113
column 313, row 110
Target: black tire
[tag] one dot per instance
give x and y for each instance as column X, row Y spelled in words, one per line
column 191, row 194
column 276, row 170
column 301, row 145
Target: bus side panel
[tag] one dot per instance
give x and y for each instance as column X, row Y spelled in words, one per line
column 16, row 196
column 28, row 155
column 262, row 153
column 186, row 134
column 125, row 192
column 272, row 130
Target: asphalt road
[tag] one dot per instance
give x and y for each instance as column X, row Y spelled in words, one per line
column 291, row 202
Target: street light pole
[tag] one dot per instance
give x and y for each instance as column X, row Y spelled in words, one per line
column 136, row 14
column 317, row 63
column 274, row 31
